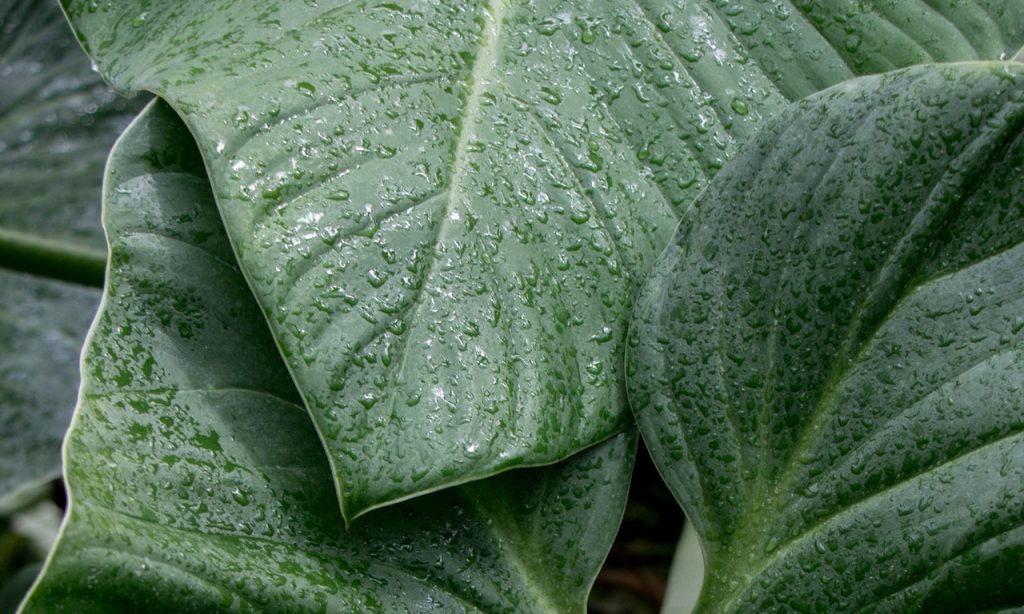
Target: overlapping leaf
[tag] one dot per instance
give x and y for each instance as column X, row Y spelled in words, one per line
column 199, row 484
column 829, row 358
column 444, row 207
column 57, row 122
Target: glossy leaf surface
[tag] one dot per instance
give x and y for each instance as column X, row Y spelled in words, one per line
column 57, row 122
column 444, row 208
column 828, row 361
column 197, row 480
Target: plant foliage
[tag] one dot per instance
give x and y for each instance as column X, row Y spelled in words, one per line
column 363, row 341
column 828, row 359
column 198, row 482
column 57, row 123
column 444, row 208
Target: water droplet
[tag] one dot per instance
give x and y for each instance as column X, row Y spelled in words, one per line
column 549, row 95
column 376, row 278
column 239, row 497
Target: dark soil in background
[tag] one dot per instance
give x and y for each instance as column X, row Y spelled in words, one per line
column 634, row 576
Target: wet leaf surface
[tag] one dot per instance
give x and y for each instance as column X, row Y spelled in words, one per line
column 444, row 208
column 828, row 361
column 197, row 481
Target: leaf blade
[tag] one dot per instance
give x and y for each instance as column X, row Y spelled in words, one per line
column 42, row 324
column 197, row 481
column 57, row 122
column 862, row 376
column 445, row 209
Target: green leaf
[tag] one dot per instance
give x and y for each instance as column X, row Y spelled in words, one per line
column 444, row 208
column 42, row 324
column 828, row 361
column 57, row 121
column 198, row 483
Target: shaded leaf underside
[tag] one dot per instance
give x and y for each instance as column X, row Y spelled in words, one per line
column 57, row 123
column 42, row 324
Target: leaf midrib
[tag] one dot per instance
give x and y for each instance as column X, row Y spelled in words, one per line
column 483, row 65
column 861, row 334
column 485, row 60
column 793, row 542
column 500, row 532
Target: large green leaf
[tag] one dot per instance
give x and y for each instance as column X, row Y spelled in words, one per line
column 444, row 208
column 198, row 483
column 42, row 324
column 829, row 357
column 57, row 122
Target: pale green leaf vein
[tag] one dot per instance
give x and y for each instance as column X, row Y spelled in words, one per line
column 785, row 547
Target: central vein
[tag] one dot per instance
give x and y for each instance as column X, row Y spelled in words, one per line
column 486, row 59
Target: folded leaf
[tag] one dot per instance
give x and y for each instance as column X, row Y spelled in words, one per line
column 828, row 361
column 57, row 122
column 444, row 208
column 198, row 483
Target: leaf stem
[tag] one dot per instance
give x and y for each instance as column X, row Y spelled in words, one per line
column 35, row 255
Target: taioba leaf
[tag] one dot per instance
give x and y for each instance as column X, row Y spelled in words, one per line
column 198, row 483
column 829, row 357
column 444, row 208
column 57, row 122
